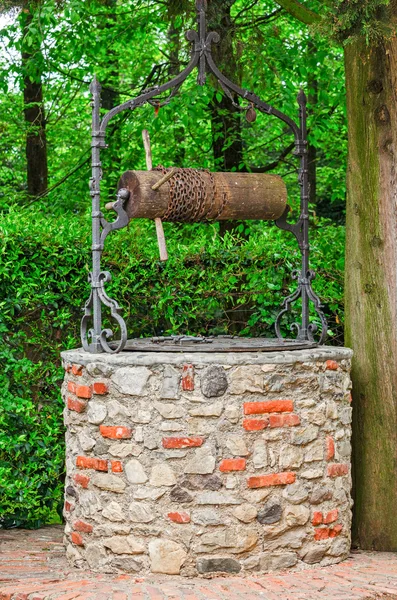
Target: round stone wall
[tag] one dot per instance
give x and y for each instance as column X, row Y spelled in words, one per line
column 201, row 463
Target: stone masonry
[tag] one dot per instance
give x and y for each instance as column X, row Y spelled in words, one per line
column 200, row 463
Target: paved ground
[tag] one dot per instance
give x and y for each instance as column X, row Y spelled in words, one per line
column 33, row 567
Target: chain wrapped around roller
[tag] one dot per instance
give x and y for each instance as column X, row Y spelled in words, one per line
column 190, row 198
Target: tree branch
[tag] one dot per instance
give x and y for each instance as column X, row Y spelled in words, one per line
column 62, row 180
column 243, row 10
column 259, row 20
column 299, row 11
column 275, row 163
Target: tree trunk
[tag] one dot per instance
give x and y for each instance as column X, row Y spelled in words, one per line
column 371, row 287
column 226, row 125
column 312, row 85
column 36, row 141
column 227, row 141
column 110, row 98
column 225, row 118
column 174, row 42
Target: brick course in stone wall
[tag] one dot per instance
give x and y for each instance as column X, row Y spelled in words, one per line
column 179, row 466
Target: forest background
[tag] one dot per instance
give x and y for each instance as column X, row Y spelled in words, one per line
column 228, row 279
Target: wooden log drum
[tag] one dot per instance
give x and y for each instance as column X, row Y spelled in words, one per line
column 192, row 195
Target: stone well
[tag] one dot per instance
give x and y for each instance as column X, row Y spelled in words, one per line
column 198, row 463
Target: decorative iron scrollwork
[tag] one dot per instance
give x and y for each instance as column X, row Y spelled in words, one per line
column 87, row 334
column 98, row 293
column 304, row 289
column 201, row 57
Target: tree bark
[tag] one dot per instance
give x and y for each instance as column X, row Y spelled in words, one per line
column 312, row 84
column 110, row 98
column 225, row 118
column 371, row 286
column 227, row 140
column 371, row 276
column 36, row 140
column 174, row 41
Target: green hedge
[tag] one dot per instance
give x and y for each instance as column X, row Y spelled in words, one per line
column 210, row 285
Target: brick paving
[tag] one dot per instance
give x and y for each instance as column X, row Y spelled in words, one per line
column 33, row 567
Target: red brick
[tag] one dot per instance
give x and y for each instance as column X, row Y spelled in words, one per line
column 337, row 470
column 83, row 391
column 317, row 518
column 182, row 442
column 117, row 467
column 350, row 398
column 188, row 378
column 100, row 388
column 331, row 365
column 271, row 479
column 81, row 479
column 321, row 534
column 67, row 368
column 82, row 526
column 68, row 506
column 330, row 448
column 116, row 432
column 77, row 370
column 76, row 538
column 331, row 516
column 76, row 405
column 71, row 387
column 88, row 462
column 255, row 424
column 179, row 517
column 325, row 533
column 335, row 531
column 233, row 464
column 284, row 420
column 272, row 406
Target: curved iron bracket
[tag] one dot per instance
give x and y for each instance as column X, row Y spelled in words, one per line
column 122, row 217
column 294, row 228
column 98, row 288
column 96, row 339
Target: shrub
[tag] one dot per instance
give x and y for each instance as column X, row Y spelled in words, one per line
column 209, row 286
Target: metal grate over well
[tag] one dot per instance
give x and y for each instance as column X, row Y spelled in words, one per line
column 223, row 343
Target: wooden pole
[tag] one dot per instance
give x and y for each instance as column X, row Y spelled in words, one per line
column 148, row 150
column 158, row 223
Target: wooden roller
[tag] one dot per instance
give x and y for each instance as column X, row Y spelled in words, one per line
column 245, row 196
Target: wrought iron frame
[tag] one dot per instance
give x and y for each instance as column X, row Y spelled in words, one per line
column 96, row 339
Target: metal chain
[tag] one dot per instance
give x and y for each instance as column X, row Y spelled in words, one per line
column 191, row 200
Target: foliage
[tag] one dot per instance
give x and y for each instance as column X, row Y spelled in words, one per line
column 44, row 264
column 274, row 61
column 211, row 284
column 356, row 18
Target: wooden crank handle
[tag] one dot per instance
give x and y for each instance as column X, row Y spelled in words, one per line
column 158, row 223
column 161, row 240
